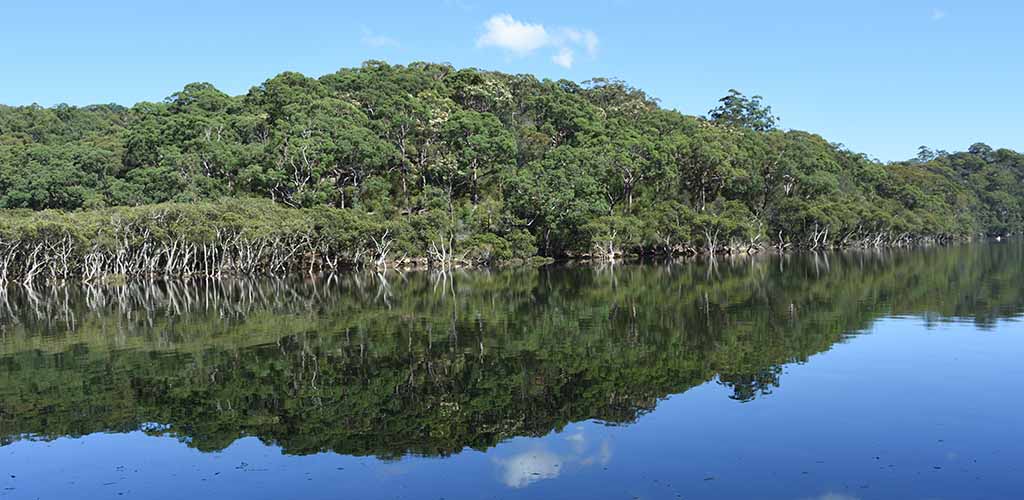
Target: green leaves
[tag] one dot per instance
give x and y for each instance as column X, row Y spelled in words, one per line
column 479, row 147
column 40, row 177
column 738, row 110
column 557, row 197
column 563, row 161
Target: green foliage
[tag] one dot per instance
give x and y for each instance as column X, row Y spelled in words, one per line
column 738, row 110
column 568, row 169
column 431, row 363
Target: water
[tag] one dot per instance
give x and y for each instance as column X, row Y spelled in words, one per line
column 859, row 375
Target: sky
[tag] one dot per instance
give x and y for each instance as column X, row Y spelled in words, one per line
column 881, row 77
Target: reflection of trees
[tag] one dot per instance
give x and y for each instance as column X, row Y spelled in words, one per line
column 747, row 386
column 389, row 364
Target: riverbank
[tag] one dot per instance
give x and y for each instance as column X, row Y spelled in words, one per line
column 427, row 165
column 258, row 237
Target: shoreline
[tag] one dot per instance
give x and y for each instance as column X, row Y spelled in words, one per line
column 301, row 270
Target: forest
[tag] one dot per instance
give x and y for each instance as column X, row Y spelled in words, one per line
column 425, row 164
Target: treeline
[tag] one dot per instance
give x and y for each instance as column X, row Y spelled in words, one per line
column 390, row 364
column 448, row 161
column 229, row 237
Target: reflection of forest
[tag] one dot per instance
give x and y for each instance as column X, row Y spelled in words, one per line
column 428, row 364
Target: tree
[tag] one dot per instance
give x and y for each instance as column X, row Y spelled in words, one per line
column 726, row 224
column 556, row 198
column 481, row 148
column 631, row 156
column 703, row 162
column 925, row 154
column 738, row 110
column 472, row 166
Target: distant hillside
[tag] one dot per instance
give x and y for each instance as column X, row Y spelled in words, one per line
column 471, row 165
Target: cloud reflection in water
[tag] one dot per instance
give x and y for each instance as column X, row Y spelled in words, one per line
column 548, row 458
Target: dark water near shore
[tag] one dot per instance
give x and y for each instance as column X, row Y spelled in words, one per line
column 865, row 375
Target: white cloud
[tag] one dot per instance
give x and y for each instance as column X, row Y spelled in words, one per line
column 578, row 442
column 938, row 14
column 585, row 38
column 563, row 58
column 523, row 38
column 606, row 452
column 549, row 458
column 507, row 33
column 375, row 40
column 590, row 41
column 526, row 468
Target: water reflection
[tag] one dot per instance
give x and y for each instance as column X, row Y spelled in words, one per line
column 549, row 458
column 835, row 496
column 396, row 364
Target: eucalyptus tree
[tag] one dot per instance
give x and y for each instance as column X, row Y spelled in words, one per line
column 738, row 110
column 463, row 165
column 481, row 148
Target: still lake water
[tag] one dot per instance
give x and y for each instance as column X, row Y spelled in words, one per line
column 861, row 375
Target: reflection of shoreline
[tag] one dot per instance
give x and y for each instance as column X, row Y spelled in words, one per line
column 421, row 364
column 63, row 305
column 541, row 462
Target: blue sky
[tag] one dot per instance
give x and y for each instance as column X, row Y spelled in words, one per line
column 882, row 77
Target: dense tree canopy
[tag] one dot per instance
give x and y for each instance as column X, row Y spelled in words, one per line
column 457, row 163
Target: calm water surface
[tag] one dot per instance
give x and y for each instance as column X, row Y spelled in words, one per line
column 866, row 375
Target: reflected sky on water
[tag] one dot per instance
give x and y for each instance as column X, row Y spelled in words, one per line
column 886, row 376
